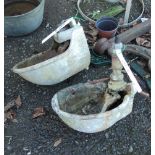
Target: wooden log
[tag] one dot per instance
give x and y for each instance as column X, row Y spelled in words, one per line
column 103, row 44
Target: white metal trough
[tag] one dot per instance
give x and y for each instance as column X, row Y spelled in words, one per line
column 58, row 68
column 110, row 102
column 93, row 122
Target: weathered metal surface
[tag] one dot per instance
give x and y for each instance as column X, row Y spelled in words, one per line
column 57, row 69
column 25, row 23
column 91, row 123
column 114, row 102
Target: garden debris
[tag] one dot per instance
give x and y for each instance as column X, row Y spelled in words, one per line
column 13, row 103
column 9, row 105
column 125, row 37
column 97, row 81
column 56, row 143
column 91, row 34
column 143, row 42
column 142, row 52
column 82, row 10
column 141, row 72
column 109, row 99
column 131, row 149
column 29, row 153
column 99, row 59
column 39, row 111
column 15, row 120
column 143, row 64
column 138, row 50
column 149, row 130
column 110, row 12
column 10, row 138
column 18, row 101
column 121, row 21
column 9, row 115
column 144, row 19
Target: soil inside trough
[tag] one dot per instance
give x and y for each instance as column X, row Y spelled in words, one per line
column 88, row 102
column 83, row 105
column 55, row 50
column 19, row 7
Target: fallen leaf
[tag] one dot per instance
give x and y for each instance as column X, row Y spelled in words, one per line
column 18, row 101
column 56, row 143
column 38, row 112
column 91, row 26
column 10, row 115
column 92, row 33
column 147, row 43
column 143, row 42
column 9, row 105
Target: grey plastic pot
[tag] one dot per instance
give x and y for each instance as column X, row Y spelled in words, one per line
column 25, row 23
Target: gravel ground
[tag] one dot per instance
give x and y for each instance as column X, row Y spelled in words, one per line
column 28, row 136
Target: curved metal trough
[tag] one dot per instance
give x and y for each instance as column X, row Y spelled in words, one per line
column 65, row 102
column 58, row 68
column 18, row 25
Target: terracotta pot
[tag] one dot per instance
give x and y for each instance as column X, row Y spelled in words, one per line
column 107, row 27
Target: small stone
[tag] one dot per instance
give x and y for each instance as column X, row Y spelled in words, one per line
column 9, row 147
column 106, row 135
column 44, row 93
column 25, row 149
column 15, row 121
column 76, row 142
column 47, row 26
column 29, row 153
column 118, row 152
column 31, row 46
column 104, row 148
column 131, row 149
